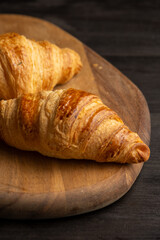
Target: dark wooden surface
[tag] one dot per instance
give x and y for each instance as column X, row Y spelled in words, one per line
column 127, row 34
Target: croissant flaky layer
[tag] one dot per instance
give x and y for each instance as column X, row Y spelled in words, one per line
column 27, row 66
column 69, row 124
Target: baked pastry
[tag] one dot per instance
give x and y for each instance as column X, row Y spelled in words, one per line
column 27, row 66
column 69, row 124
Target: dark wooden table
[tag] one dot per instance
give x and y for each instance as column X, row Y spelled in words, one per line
column 126, row 33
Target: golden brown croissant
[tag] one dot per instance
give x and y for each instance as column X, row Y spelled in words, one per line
column 27, row 66
column 69, row 124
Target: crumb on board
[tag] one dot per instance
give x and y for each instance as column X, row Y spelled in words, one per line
column 97, row 66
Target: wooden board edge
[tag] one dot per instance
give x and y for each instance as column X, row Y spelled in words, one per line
column 12, row 205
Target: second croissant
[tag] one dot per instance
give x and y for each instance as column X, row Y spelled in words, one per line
column 69, row 124
column 27, row 66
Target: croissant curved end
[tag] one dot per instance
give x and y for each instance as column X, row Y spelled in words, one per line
column 72, row 64
column 140, row 152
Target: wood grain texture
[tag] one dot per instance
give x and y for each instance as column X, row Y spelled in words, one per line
column 33, row 186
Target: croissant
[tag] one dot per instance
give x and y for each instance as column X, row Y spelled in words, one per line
column 69, row 124
column 27, row 66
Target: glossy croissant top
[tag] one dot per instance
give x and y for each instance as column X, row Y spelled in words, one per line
column 69, row 124
column 27, row 66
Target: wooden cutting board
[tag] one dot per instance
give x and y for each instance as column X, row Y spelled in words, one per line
column 34, row 186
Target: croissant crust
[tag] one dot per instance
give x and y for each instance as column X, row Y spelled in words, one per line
column 69, row 124
column 27, row 66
